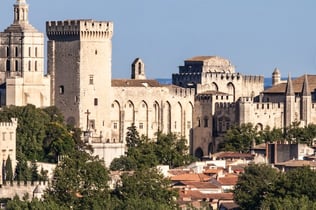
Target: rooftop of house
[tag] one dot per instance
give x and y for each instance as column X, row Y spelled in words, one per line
column 297, row 163
column 191, row 177
column 228, row 180
column 197, row 184
column 233, row 155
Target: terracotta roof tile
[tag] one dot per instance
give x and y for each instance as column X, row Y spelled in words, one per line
column 228, row 180
column 200, row 184
column 191, row 177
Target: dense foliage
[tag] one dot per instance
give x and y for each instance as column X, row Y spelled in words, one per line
column 41, row 133
column 263, row 187
column 145, row 189
column 167, row 149
column 80, row 180
column 240, row 138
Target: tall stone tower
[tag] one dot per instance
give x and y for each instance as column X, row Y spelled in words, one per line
column 289, row 103
column 22, row 62
column 79, row 61
column 276, row 77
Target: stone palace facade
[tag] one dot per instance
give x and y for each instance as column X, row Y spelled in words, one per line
column 206, row 97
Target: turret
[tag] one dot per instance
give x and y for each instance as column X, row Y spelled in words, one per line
column 20, row 12
column 138, row 69
column 276, row 77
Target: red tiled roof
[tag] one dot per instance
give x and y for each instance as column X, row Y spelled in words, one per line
column 199, row 184
column 212, row 171
column 190, row 177
column 228, row 180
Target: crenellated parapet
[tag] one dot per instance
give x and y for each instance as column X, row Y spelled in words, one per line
column 13, row 124
column 245, row 100
column 225, row 106
column 183, row 92
column 252, row 78
column 79, row 29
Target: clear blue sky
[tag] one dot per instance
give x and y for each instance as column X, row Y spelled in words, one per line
column 256, row 36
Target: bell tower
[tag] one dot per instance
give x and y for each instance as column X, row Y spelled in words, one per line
column 79, row 62
column 22, row 62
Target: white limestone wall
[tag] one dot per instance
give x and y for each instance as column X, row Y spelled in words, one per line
column 150, row 109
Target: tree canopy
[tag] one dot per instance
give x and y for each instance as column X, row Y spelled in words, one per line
column 263, row 187
column 142, row 152
column 241, row 137
column 41, row 134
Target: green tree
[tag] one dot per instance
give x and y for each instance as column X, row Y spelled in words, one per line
column 58, row 141
column 288, row 203
column 41, row 133
column 34, row 171
column 270, row 136
column 81, row 181
column 9, row 170
column 309, row 134
column 255, row 185
column 172, row 151
column 145, row 189
column 240, row 138
column 132, row 137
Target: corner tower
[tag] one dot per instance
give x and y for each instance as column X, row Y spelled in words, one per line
column 79, row 61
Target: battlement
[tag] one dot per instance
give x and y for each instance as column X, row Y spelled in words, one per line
column 225, row 105
column 13, row 123
column 246, row 99
column 252, row 78
column 79, row 29
column 183, row 92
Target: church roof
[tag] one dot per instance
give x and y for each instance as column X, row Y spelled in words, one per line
column 18, row 28
column 135, row 83
column 297, row 85
column 201, row 58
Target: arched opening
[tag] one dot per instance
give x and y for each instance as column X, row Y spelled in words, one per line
column 231, row 89
column 8, row 65
column 198, row 153
column 16, row 65
column 214, row 86
column 167, row 114
column 156, row 117
column 142, row 118
column 115, row 121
